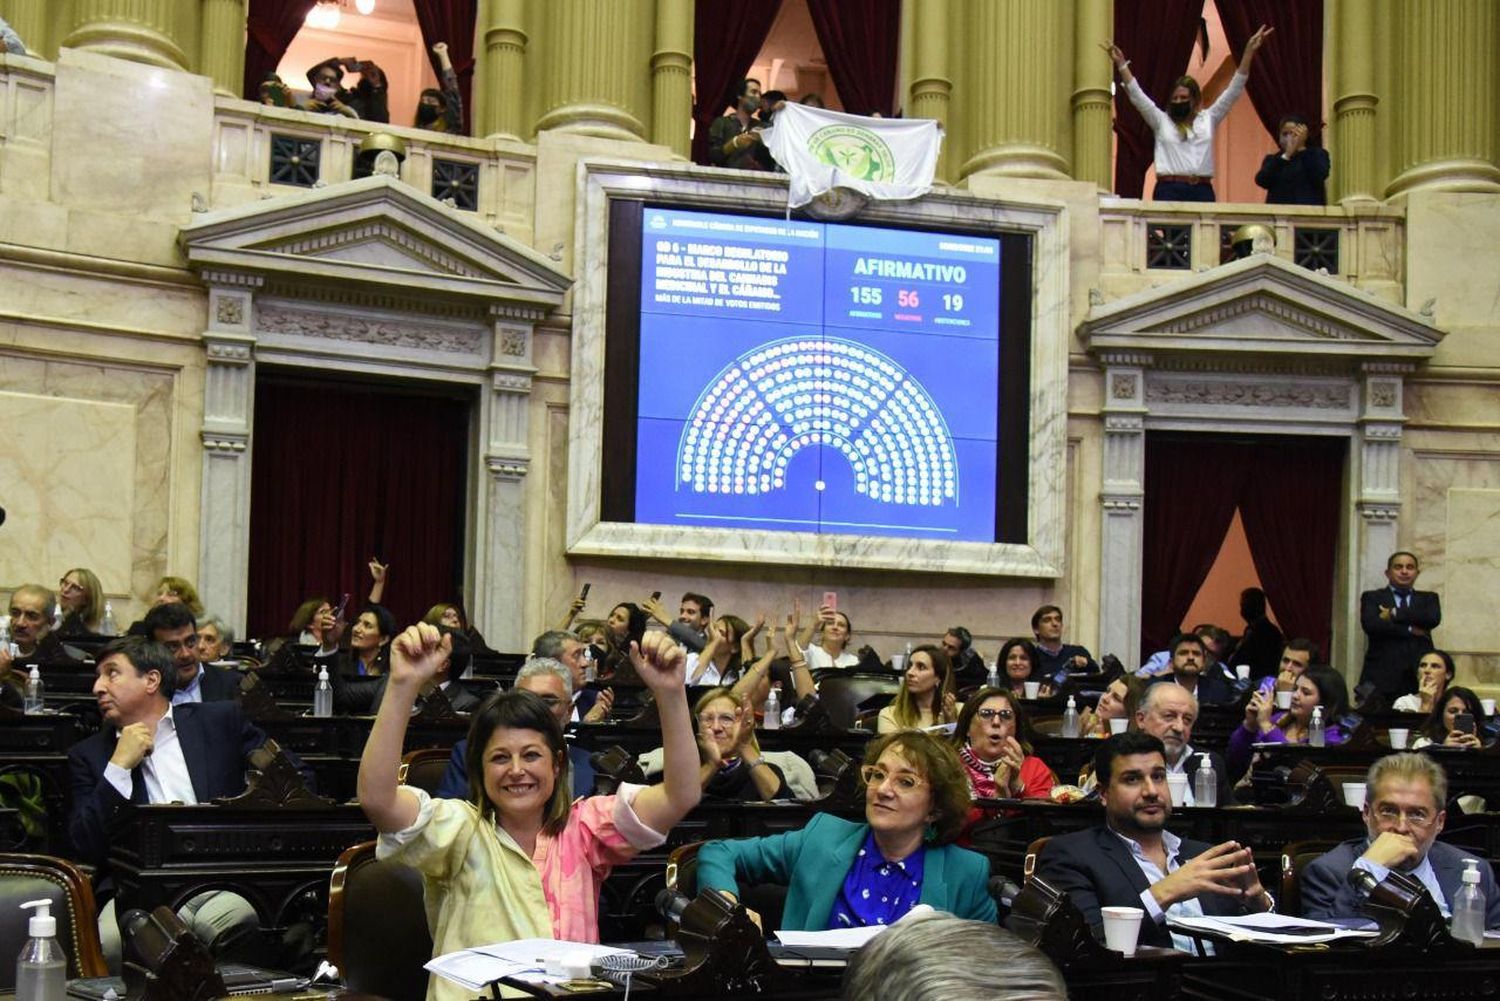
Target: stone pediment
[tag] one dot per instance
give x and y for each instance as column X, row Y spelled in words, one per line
column 1261, row 306
column 375, row 233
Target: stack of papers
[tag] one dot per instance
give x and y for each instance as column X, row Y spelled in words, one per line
column 834, row 938
column 524, row 959
column 1273, row 929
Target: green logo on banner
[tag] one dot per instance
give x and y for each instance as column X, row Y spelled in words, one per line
column 856, row 151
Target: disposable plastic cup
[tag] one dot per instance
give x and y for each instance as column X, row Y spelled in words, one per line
column 1283, row 700
column 1119, row 725
column 1033, row 688
column 1177, row 785
column 1398, row 737
column 1354, row 795
column 1488, row 705
column 1122, row 928
column 898, row 661
column 1242, row 671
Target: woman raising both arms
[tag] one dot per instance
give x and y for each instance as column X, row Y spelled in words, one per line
column 518, row 859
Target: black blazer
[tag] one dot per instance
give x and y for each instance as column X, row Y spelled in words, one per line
column 1212, row 689
column 1096, row 869
column 219, row 684
column 362, row 696
column 1393, row 651
column 216, row 741
column 1260, row 647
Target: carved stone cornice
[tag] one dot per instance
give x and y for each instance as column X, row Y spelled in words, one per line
column 232, row 279
column 1131, row 359
column 1114, row 503
column 507, row 467
column 1116, row 423
column 517, row 311
column 1381, row 432
column 227, row 351
column 290, row 320
column 1379, row 510
column 224, row 442
column 1240, row 393
column 510, row 382
column 381, row 231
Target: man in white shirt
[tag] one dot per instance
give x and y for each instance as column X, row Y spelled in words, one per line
column 1184, row 134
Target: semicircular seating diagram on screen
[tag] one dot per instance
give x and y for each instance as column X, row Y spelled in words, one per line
column 786, row 395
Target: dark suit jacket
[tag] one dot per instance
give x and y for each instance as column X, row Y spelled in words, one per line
column 1392, row 654
column 1326, row 893
column 362, row 696
column 216, row 741
column 1097, row 870
column 1260, row 647
column 219, row 684
column 455, row 783
column 1212, row 689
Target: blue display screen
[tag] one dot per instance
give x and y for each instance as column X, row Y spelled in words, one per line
column 813, row 377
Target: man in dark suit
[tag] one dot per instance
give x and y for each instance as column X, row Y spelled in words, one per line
column 1168, row 712
column 1405, row 794
column 361, row 696
column 174, row 627
column 1189, row 663
column 1399, row 621
column 1134, row 861
column 1260, row 644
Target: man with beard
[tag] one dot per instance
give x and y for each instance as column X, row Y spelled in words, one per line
column 1403, row 816
column 1168, row 712
column 734, row 139
column 1134, row 861
column 1188, row 671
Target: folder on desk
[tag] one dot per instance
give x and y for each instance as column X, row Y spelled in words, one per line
column 239, row 980
column 1271, row 929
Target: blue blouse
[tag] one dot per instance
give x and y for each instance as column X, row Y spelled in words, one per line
column 877, row 892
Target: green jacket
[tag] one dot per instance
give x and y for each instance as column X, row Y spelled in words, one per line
column 813, row 862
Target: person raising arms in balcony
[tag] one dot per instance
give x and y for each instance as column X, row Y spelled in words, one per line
column 1184, row 133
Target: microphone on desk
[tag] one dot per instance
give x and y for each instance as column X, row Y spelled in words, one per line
column 670, row 904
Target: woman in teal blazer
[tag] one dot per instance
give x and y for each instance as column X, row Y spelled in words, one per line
column 839, row 873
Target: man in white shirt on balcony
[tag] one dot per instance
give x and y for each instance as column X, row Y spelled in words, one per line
column 1185, row 134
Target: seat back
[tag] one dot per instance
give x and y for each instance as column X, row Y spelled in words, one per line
column 766, row 899
column 424, row 769
column 42, row 877
column 843, row 693
column 1032, row 851
column 1296, row 856
column 377, row 926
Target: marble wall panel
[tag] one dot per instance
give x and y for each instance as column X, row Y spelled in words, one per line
column 1452, row 252
column 1473, row 569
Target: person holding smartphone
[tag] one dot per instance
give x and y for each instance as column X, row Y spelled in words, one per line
column 1454, row 722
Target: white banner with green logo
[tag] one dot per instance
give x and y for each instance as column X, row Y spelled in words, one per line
column 889, row 158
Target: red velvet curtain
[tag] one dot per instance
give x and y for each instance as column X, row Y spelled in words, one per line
column 727, row 35
column 1287, row 75
column 860, row 40
column 452, row 21
column 1292, row 523
column 1157, row 36
column 343, row 472
column 1191, row 494
column 270, row 26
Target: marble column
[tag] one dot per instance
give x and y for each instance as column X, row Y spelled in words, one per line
column 228, row 415
column 1016, row 83
column 143, row 31
column 1092, row 101
column 932, row 72
column 1354, row 104
column 671, row 76
column 500, row 63
column 594, row 75
column 1379, row 467
column 32, row 20
column 1445, row 112
column 1121, row 496
column 221, row 45
column 501, row 541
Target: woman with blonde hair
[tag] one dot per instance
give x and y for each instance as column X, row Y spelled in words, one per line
column 81, row 598
column 925, row 697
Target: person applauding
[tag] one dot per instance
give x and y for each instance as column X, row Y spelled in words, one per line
column 519, row 859
column 996, row 749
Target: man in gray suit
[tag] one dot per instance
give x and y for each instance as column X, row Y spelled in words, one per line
column 1405, row 795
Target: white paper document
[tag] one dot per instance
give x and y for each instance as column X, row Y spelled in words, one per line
column 524, row 959
column 834, row 938
column 1281, row 929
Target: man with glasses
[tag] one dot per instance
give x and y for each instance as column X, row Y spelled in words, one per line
column 1134, row 861
column 174, row 627
column 1404, row 799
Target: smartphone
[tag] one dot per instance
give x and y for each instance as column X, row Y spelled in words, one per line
column 655, row 595
column 583, row 592
column 831, row 599
column 1464, row 723
column 343, row 605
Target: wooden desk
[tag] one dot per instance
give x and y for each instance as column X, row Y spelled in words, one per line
column 1250, row 973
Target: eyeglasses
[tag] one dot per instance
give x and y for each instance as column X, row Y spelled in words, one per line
column 68, row 587
column 1416, row 817
column 1003, row 715
column 722, row 719
column 874, row 775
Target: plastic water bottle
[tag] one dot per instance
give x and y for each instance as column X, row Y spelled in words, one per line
column 1316, row 735
column 32, row 705
column 108, row 627
column 773, row 708
column 590, row 669
column 1205, row 784
column 1070, row 719
column 992, row 679
column 1468, row 907
column 42, row 968
column 323, row 695
column 57, row 615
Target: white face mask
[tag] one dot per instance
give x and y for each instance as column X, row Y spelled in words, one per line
column 323, row 91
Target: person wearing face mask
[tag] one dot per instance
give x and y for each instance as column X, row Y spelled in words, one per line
column 1184, row 134
column 734, row 139
column 366, row 101
column 1298, row 172
column 442, row 110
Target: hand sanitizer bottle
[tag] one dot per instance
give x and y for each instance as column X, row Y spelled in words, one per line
column 41, row 969
column 1468, row 907
column 1070, row 719
column 1317, row 736
column 323, row 695
column 108, row 627
column 773, row 709
column 992, row 679
column 32, row 704
column 1205, row 784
